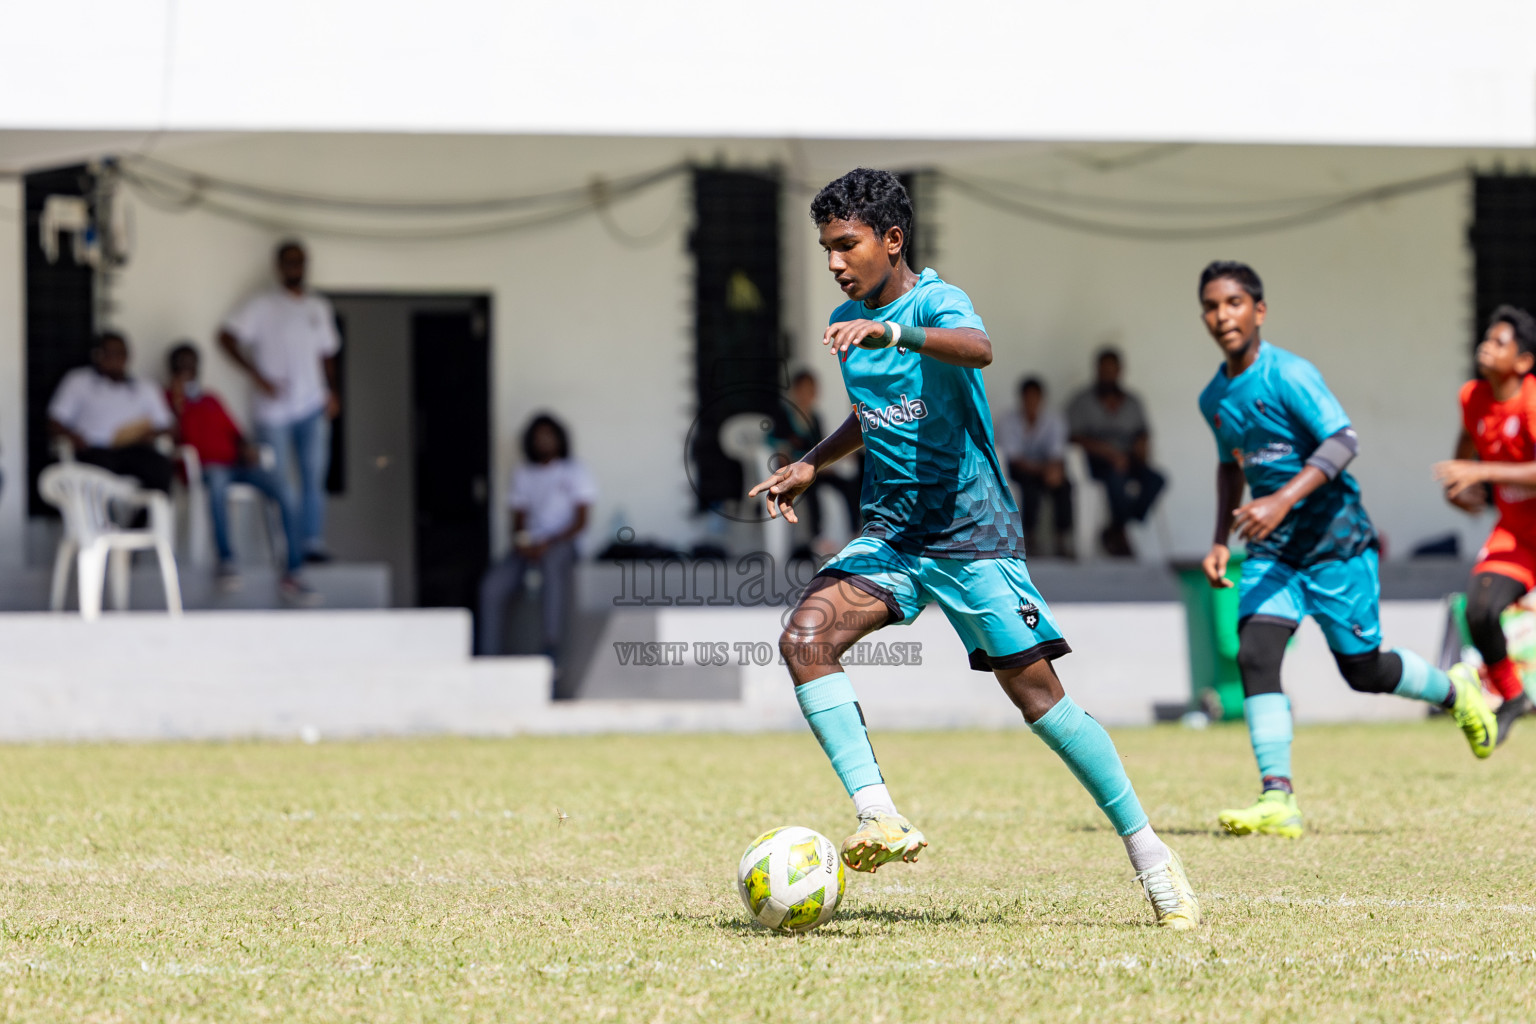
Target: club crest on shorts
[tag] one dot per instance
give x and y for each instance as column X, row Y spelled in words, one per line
column 1029, row 613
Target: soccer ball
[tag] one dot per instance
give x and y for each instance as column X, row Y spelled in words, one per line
column 791, row 879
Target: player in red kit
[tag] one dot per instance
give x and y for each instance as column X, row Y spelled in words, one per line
column 1497, row 454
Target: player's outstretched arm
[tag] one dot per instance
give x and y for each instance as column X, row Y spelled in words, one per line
column 1262, row 516
column 1259, row 518
column 1229, row 493
column 961, row 346
column 1467, row 497
column 1460, row 476
column 789, row 482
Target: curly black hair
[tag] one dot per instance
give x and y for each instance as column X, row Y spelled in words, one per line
column 1521, row 322
column 182, row 350
column 876, row 198
column 544, row 419
column 1246, row 277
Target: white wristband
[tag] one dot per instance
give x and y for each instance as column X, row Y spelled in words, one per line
column 894, row 330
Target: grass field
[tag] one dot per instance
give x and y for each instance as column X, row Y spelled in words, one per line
column 436, row 880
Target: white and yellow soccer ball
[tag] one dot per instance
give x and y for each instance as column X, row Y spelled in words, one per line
column 791, row 879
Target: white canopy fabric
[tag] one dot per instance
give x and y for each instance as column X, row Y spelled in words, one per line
column 1388, row 72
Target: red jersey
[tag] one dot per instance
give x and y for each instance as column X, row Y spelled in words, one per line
column 206, row 426
column 1505, row 432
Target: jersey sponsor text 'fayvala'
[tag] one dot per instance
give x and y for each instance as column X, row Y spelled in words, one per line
column 902, row 412
column 933, row 485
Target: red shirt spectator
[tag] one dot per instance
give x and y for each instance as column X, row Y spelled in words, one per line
column 206, row 426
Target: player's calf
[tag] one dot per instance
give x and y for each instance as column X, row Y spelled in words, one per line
column 1090, row 755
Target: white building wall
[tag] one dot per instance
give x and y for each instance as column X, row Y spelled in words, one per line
column 13, row 441
column 598, row 329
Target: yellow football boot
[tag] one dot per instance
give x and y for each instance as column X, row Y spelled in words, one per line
column 1274, row 814
column 879, row 839
column 1471, row 710
column 1172, row 897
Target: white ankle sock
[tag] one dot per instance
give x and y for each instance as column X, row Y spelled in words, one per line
column 1145, row 849
column 874, row 798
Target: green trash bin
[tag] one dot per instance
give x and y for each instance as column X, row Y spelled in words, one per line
column 1210, row 616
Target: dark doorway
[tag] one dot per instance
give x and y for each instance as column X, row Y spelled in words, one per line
column 1503, row 237
column 450, row 359
column 417, row 445
column 923, row 189
column 60, row 316
column 738, row 348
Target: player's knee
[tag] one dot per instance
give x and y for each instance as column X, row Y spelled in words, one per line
column 805, row 648
column 1374, row 672
column 790, row 643
column 1260, row 649
column 1253, row 661
column 1483, row 612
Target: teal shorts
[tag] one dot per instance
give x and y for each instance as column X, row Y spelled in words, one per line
column 1343, row 595
column 991, row 602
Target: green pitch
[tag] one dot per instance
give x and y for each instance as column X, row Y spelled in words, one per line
column 592, row 879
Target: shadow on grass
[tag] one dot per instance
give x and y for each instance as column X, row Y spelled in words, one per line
column 1161, row 831
column 881, row 917
column 853, row 916
column 1222, row 833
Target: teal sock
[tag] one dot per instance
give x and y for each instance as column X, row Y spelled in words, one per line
column 1269, row 730
column 1089, row 752
column 1421, row 680
column 832, row 709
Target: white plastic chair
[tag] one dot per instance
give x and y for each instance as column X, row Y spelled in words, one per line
column 198, row 517
column 1090, row 507
column 84, row 495
column 744, row 437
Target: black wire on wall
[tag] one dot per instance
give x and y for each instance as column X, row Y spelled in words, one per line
column 176, row 189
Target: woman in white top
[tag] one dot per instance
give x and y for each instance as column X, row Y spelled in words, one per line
column 550, row 497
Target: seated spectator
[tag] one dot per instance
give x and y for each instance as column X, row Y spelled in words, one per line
column 550, row 497
column 111, row 419
column 796, row 430
column 1109, row 424
column 228, row 458
column 1033, row 440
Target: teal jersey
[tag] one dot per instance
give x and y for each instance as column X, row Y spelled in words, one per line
column 1270, row 419
column 933, row 485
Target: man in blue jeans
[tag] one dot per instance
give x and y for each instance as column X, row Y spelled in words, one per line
column 228, row 458
column 286, row 340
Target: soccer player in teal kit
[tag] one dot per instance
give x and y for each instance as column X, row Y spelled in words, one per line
column 940, row 526
column 1311, row 547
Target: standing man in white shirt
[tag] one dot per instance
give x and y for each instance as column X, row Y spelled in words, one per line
column 286, row 340
column 550, row 497
column 1033, row 441
column 111, row 419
